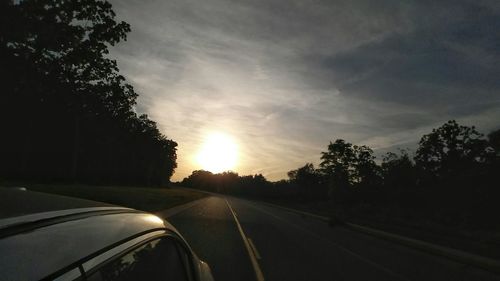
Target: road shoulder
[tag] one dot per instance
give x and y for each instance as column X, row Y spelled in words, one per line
column 449, row 253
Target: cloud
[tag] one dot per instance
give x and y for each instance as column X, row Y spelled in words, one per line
column 286, row 77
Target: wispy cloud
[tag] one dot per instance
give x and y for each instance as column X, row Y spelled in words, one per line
column 285, row 77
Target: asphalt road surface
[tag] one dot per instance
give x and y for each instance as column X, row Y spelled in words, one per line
column 245, row 240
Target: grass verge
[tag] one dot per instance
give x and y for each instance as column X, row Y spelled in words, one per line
column 141, row 198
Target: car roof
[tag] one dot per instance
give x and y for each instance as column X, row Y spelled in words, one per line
column 41, row 234
column 17, row 202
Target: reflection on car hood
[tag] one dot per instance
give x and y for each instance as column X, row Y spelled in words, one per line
column 42, row 251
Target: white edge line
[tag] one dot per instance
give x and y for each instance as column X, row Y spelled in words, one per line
column 366, row 260
column 323, row 218
column 257, row 255
column 253, row 258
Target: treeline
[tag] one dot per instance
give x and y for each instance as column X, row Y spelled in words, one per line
column 453, row 179
column 229, row 183
column 66, row 112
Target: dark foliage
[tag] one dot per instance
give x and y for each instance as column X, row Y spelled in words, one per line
column 309, row 182
column 67, row 114
column 254, row 186
column 451, row 150
column 494, row 140
column 451, row 181
column 398, row 171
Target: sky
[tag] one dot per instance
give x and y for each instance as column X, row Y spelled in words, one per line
column 283, row 78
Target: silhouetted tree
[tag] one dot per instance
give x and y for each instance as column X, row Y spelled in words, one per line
column 452, row 183
column 200, row 179
column 398, row 170
column 67, row 113
column 451, row 150
column 225, row 181
column 366, row 171
column 337, row 166
column 494, row 140
column 309, row 182
column 454, row 164
column 346, row 166
column 230, row 183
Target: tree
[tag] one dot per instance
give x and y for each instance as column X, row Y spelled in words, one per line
column 68, row 112
column 494, row 140
column 348, row 164
column 398, row 170
column 451, row 149
column 225, row 181
column 200, row 179
column 367, row 173
column 229, row 182
column 337, row 164
column 309, row 182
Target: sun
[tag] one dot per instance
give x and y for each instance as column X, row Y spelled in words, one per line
column 219, row 153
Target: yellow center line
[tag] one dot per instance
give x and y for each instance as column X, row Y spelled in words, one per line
column 251, row 253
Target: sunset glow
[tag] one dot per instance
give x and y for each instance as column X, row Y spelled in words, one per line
column 219, row 153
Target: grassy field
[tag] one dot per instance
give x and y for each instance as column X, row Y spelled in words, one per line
column 141, row 198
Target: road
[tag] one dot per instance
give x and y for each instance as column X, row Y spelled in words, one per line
column 245, row 240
